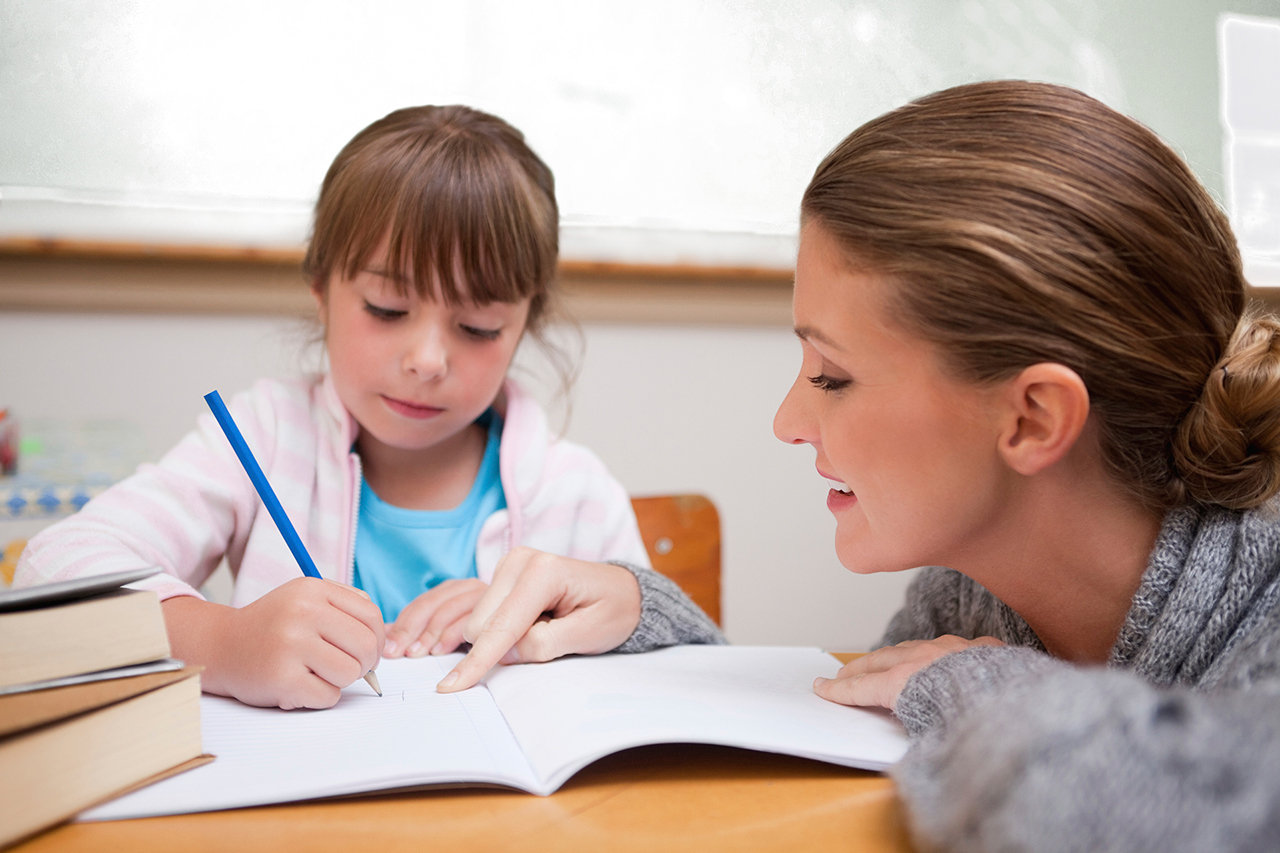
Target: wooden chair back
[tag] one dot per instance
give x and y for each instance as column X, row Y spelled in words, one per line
column 682, row 535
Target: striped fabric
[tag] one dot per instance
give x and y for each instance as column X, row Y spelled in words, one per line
column 197, row 505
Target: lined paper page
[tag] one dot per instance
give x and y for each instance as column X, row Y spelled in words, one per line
column 410, row 736
column 758, row 698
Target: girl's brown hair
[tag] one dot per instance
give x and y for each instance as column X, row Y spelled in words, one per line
column 1024, row 222
column 461, row 198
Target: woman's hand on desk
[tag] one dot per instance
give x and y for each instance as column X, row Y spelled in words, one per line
column 878, row 677
column 433, row 622
column 540, row 607
column 296, row 647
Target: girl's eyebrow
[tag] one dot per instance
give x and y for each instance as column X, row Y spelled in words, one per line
column 383, row 273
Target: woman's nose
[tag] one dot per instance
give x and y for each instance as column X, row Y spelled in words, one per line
column 794, row 423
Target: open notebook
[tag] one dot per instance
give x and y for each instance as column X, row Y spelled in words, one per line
column 529, row 727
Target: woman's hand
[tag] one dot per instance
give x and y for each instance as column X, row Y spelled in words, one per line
column 877, row 678
column 433, row 622
column 296, row 647
column 540, row 607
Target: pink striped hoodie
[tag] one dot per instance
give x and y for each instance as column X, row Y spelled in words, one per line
column 185, row 513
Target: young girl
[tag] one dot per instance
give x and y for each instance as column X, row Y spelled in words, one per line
column 1027, row 358
column 409, row 469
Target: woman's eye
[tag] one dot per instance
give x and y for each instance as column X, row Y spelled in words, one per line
column 480, row 334
column 383, row 313
column 829, row 383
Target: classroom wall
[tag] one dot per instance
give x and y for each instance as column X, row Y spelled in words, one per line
column 658, row 119
column 670, row 409
column 679, row 130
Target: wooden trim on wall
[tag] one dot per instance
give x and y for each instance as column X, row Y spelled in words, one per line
column 42, row 274
column 53, row 247
column 39, row 274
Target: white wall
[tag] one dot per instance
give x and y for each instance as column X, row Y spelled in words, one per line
column 670, row 409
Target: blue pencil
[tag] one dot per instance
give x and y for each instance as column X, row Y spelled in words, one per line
column 269, row 499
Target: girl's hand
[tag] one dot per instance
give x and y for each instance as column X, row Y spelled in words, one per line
column 541, row 607
column 296, row 647
column 877, row 678
column 432, row 623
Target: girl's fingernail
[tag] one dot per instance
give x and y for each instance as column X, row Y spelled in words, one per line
column 414, row 651
column 437, row 649
column 448, row 681
column 512, row 656
column 818, row 682
column 390, row 648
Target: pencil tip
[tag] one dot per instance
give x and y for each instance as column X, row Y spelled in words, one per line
column 373, row 682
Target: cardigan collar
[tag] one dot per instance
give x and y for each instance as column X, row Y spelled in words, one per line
column 1213, row 572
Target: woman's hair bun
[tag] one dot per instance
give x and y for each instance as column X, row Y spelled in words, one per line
column 1227, row 448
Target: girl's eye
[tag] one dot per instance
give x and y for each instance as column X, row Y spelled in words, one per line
column 480, row 334
column 383, row 313
column 829, row 383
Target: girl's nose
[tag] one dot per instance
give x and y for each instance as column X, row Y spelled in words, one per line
column 794, row 423
column 427, row 357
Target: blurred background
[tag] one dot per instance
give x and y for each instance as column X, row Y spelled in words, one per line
column 158, row 162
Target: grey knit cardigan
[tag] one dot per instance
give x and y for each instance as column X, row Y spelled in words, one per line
column 1173, row 746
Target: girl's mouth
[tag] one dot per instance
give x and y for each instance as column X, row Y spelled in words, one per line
column 411, row 410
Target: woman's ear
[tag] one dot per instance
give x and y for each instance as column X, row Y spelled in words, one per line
column 1048, row 407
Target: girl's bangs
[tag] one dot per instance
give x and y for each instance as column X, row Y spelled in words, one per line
column 467, row 231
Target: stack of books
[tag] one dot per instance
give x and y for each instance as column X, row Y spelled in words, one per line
column 91, row 705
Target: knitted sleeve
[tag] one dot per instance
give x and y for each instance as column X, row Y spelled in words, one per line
column 1013, row 750
column 668, row 617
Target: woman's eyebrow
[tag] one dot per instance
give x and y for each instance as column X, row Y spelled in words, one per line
column 806, row 333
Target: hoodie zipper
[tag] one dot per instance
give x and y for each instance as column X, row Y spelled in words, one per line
column 355, row 518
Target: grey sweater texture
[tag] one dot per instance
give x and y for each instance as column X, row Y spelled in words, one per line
column 667, row 616
column 1173, row 746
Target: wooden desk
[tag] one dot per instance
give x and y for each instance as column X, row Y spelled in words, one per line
column 651, row 799
column 662, row 798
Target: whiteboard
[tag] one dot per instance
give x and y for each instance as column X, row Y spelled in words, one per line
column 680, row 131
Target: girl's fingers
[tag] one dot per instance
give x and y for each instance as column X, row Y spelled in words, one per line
column 357, row 604
column 450, row 637
column 332, row 662
column 451, row 612
column 310, row 691
column 414, row 622
column 350, row 648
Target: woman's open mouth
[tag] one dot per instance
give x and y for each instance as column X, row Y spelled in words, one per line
column 840, row 496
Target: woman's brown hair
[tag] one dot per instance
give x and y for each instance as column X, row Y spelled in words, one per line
column 463, row 201
column 1024, row 222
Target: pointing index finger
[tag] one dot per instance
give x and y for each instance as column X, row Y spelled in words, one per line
column 508, row 624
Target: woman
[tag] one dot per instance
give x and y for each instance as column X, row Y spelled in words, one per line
column 1027, row 359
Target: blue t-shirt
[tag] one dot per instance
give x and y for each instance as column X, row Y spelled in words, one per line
column 402, row 553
